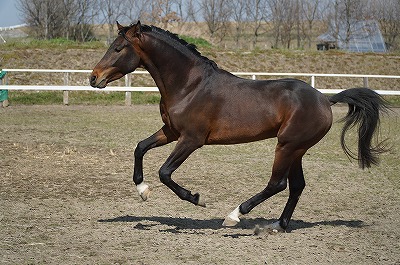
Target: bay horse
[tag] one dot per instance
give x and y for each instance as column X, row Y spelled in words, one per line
column 202, row 104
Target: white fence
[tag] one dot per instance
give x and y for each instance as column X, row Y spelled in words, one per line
column 128, row 89
column 13, row 27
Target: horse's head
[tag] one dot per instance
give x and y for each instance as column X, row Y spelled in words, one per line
column 120, row 59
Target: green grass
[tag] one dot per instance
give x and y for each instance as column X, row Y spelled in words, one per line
column 394, row 101
column 29, row 43
column 111, row 98
column 199, row 42
column 96, row 98
column 35, row 98
column 80, row 98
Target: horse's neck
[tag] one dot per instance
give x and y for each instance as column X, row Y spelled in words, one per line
column 169, row 68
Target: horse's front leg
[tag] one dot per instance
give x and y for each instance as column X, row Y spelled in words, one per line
column 182, row 150
column 160, row 138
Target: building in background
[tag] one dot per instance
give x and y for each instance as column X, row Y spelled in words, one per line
column 358, row 36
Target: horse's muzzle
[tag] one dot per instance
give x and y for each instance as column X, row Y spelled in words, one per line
column 92, row 80
column 95, row 82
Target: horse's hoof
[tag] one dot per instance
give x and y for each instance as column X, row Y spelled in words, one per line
column 275, row 227
column 145, row 195
column 201, row 202
column 143, row 190
column 233, row 218
column 229, row 222
column 270, row 229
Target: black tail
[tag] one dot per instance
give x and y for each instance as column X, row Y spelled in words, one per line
column 364, row 108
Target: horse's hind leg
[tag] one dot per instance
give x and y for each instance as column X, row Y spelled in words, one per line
column 284, row 158
column 161, row 137
column 296, row 187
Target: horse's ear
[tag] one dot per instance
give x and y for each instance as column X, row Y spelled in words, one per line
column 138, row 29
column 134, row 30
column 119, row 26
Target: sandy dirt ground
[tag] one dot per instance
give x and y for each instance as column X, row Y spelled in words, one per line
column 66, row 196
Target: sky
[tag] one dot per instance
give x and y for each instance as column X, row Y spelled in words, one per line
column 9, row 14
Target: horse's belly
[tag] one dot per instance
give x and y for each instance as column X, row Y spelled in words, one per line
column 243, row 133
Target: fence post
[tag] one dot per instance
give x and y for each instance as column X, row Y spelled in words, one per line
column 128, row 98
column 128, row 94
column 65, row 92
column 66, row 79
column 365, row 81
column 313, row 81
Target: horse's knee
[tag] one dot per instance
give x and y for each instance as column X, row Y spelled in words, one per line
column 277, row 186
column 139, row 150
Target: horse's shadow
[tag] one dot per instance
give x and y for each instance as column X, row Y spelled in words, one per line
column 195, row 226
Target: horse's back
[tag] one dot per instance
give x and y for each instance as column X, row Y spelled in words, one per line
column 281, row 95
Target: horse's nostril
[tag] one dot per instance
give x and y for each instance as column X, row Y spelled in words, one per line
column 93, row 79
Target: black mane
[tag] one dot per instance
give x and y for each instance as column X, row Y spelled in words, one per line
column 173, row 36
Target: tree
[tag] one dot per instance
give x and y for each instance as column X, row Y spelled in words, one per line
column 387, row 12
column 111, row 11
column 136, row 10
column 283, row 18
column 43, row 16
column 187, row 10
column 68, row 10
column 289, row 13
column 216, row 13
column 84, row 20
column 57, row 18
column 238, row 15
column 311, row 10
column 256, row 13
column 161, row 12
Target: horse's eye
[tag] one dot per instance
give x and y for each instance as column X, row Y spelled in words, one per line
column 119, row 48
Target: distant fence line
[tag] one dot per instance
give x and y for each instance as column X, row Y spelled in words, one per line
column 128, row 89
column 13, row 27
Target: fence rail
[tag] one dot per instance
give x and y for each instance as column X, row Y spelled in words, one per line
column 128, row 89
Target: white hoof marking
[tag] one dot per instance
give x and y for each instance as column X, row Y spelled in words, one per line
column 143, row 190
column 233, row 218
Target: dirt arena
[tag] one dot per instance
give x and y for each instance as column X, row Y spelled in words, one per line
column 66, row 196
